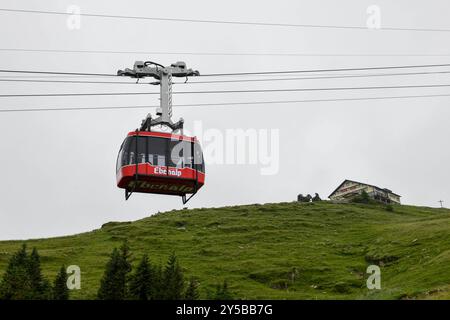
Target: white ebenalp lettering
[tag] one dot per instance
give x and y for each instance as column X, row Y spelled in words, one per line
column 174, row 172
column 160, row 170
column 163, row 170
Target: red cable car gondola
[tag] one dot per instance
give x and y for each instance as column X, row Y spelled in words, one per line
column 160, row 162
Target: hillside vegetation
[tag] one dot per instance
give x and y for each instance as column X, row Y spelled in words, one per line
column 275, row 251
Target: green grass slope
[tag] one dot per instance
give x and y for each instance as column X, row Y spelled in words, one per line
column 275, row 251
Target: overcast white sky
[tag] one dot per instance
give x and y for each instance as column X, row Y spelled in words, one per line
column 57, row 169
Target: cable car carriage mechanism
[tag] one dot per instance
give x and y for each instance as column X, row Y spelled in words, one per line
column 160, row 162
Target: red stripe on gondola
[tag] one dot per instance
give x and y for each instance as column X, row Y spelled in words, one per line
column 149, row 181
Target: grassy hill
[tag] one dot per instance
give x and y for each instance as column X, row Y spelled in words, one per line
column 275, row 251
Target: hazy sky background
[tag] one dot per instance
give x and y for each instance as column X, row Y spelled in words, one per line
column 57, row 169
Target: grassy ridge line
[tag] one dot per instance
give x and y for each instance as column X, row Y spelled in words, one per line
column 275, row 251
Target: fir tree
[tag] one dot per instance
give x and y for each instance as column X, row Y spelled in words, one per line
column 142, row 281
column 113, row 285
column 157, row 289
column 40, row 287
column 46, row 292
column 60, row 290
column 110, row 286
column 125, row 260
column 16, row 284
column 362, row 198
column 365, row 197
column 23, row 278
column 173, row 283
column 34, row 268
column 192, row 290
column 125, row 256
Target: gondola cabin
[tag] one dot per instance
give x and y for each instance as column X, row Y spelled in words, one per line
column 160, row 163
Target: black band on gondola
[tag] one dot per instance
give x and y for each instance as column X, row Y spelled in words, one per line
column 136, row 178
column 194, row 167
column 136, row 159
column 168, row 157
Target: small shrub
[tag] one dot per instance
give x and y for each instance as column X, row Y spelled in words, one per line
column 342, row 287
column 279, row 284
column 222, row 292
column 192, row 290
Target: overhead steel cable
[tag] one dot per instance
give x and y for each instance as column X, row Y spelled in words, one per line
column 319, row 77
column 244, row 73
column 233, row 80
column 75, row 94
column 49, row 76
column 74, row 81
column 226, row 103
column 226, row 22
column 237, row 54
column 326, row 70
column 224, row 91
column 59, row 73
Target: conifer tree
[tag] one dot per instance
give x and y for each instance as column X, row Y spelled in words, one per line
column 125, row 256
column 362, row 198
column 113, row 285
column 16, row 284
column 365, row 197
column 110, row 286
column 40, row 287
column 157, row 289
column 192, row 290
column 142, row 281
column 34, row 268
column 60, row 290
column 125, row 261
column 46, row 290
column 173, row 283
column 23, row 278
